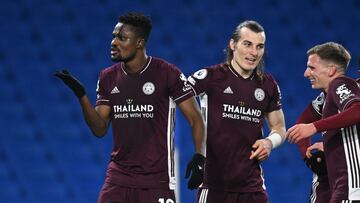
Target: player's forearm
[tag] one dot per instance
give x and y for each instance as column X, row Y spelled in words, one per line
column 191, row 111
column 198, row 132
column 96, row 124
column 276, row 122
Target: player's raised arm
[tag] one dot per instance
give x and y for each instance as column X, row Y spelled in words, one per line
column 96, row 118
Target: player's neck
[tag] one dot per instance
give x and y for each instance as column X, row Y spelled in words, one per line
column 330, row 79
column 241, row 71
column 137, row 64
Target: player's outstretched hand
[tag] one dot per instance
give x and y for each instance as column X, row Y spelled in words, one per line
column 317, row 163
column 300, row 131
column 196, row 168
column 74, row 84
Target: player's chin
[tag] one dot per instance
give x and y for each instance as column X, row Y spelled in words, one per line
column 115, row 58
column 314, row 86
column 250, row 67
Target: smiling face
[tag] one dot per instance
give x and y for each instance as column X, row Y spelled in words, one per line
column 125, row 43
column 318, row 72
column 247, row 51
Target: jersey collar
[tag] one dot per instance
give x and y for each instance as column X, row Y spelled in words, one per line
column 141, row 71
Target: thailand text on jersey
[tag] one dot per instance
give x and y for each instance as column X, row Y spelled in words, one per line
column 143, row 120
column 233, row 109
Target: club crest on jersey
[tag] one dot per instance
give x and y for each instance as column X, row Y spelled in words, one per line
column 343, row 92
column 200, row 74
column 186, row 86
column 148, row 88
column 259, row 94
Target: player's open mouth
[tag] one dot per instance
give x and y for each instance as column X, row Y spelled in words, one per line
column 250, row 60
column 114, row 51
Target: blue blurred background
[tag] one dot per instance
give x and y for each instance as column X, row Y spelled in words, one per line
column 47, row 153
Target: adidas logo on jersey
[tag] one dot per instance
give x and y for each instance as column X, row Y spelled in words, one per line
column 228, row 90
column 114, row 90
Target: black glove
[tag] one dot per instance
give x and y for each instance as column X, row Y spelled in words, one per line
column 72, row 82
column 196, row 166
column 317, row 163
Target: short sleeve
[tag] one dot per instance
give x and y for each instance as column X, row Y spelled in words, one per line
column 178, row 86
column 275, row 94
column 199, row 80
column 102, row 95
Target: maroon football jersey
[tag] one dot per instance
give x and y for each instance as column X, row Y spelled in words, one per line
column 143, row 120
column 320, row 189
column 233, row 109
column 341, row 146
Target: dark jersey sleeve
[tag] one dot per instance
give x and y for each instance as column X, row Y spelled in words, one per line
column 199, row 80
column 350, row 116
column 275, row 92
column 344, row 91
column 178, row 87
column 102, row 94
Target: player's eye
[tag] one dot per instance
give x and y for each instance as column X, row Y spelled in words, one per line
column 261, row 46
column 247, row 44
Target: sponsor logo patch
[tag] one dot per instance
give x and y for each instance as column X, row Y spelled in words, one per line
column 228, row 90
column 200, row 74
column 115, row 90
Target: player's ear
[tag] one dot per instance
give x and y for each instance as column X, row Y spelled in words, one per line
column 332, row 70
column 232, row 44
column 140, row 43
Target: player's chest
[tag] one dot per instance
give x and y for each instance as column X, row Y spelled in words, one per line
column 136, row 90
column 237, row 93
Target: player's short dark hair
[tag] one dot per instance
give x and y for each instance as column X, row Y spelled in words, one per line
column 255, row 27
column 332, row 52
column 139, row 21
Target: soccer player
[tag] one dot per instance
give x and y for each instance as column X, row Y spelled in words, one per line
column 326, row 67
column 138, row 95
column 236, row 97
column 313, row 155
